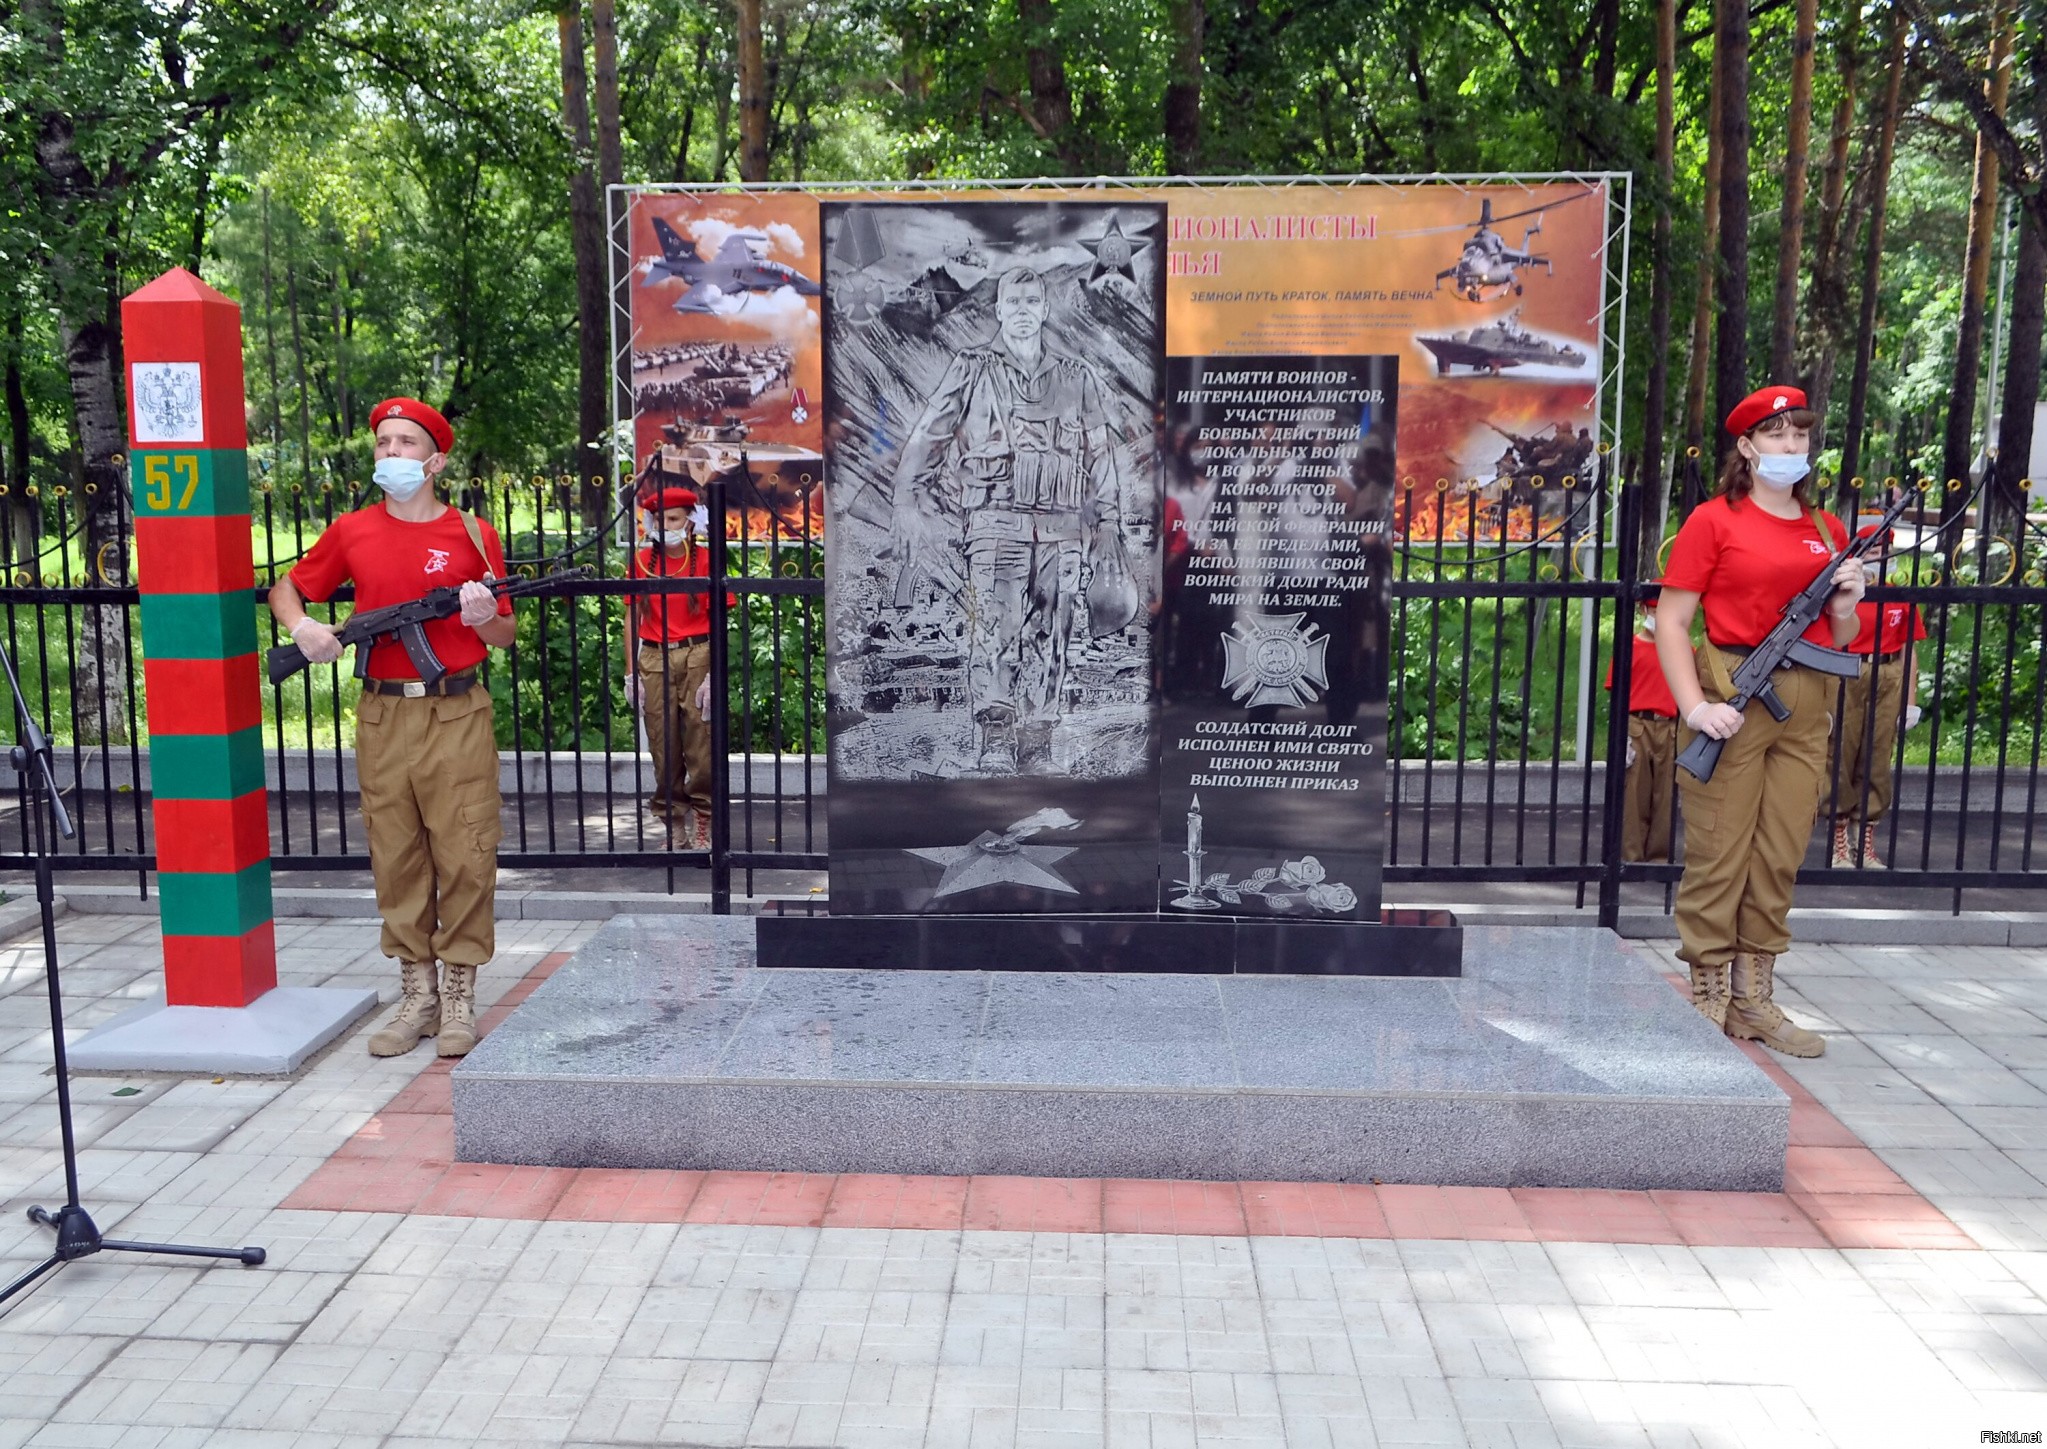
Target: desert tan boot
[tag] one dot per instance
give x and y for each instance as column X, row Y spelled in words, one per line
column 1753, row 1016
column 1710, row 992
column 419, row 1012
column 458, row 1010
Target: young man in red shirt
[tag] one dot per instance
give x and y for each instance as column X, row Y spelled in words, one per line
column 425, row 757
column 667, row 675
column 1862, row 779
column 1652, row 746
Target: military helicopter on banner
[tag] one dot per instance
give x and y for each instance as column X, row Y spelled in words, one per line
column 1489, row 267
column 737, row 271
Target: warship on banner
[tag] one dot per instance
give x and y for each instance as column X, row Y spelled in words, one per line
column 1496, row 345
column 779, row 479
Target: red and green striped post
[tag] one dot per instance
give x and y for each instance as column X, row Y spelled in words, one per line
column 188, row 469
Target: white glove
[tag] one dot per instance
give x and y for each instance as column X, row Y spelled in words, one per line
column 315, row 640
column 634, row 692
column 1718, row 721
column 479, row 604
column 704, row 696
column 1913, row 714
column 1631, row 754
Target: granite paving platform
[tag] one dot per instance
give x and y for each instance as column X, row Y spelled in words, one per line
column 1561, row 1058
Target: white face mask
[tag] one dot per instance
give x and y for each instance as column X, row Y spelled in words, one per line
column 670, row 538
column 1781, row 470
column 400, row 478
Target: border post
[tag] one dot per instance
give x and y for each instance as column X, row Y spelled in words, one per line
column 195, row 570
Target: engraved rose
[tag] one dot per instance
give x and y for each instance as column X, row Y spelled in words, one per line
column 1332, row 897
column 1306, row 871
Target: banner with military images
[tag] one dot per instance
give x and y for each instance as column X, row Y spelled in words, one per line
column 992, row 383
column 724, row 356
column 1004, row 679
column 1492, row 297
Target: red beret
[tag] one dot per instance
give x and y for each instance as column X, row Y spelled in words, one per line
column 1765, row 403
column 412, row 410
column 669, row 498
column 1868, row 530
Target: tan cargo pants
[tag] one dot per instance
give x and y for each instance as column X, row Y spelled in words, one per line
column 1746, row 830
column 677, row 735
column 1866, row 755
column 428, row 772
column 1646, row 811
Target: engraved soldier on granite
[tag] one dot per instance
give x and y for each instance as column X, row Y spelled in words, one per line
column 1012, row 464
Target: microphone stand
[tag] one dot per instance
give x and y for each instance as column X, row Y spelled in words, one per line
column 77, row 1235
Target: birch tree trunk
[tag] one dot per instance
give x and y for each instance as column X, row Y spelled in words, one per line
column 1873, row 250
column 1188, row 19
column 586, row 236
column 1958, row 439
column 1730, row 358
column 1791, row 226
column 1656, row 403
column 753, row 95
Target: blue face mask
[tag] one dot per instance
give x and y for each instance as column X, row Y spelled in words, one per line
column 1781, row 470
column 400, row 478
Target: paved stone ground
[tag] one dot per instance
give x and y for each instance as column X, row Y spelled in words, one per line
column 503, row 1328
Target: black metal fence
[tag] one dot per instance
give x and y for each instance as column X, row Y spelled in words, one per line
column 1506, row 749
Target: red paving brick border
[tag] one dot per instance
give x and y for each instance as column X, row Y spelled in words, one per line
column 1837, row 1193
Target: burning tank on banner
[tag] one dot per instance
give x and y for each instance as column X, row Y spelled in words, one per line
column 779, row 479
column 1497, row 345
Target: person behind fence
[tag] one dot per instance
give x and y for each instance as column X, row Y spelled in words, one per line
column 425, row 757
column 1652, row 745
column 1741, row 556
column 668, row 664
column 1868, row 737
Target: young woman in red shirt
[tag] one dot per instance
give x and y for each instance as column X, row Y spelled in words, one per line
column 1742, row 555
column 426, row 758
column 668, row 664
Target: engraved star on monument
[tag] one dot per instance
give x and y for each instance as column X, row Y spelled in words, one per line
column 1113, row 252
column 1003, row 859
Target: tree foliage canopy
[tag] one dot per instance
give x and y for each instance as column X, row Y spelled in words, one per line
column 383, row 184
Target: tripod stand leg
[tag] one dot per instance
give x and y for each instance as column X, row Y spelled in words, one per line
column 29, row 1277
column 250, row 1256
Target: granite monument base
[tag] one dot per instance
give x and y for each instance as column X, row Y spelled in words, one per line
column 1560, row 1058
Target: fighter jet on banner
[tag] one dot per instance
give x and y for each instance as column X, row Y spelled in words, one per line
column 737, row 271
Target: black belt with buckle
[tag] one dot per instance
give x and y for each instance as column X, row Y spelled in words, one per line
column 1887, row 658
column 419, row 688
column 1652, row 714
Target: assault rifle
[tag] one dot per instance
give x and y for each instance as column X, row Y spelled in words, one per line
column 1785, row 642
column 407, row 623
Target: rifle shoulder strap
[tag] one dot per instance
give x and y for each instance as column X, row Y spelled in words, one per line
column 475, row 532
column 1819, row 525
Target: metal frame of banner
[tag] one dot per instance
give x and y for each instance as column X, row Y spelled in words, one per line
column 1610, row 317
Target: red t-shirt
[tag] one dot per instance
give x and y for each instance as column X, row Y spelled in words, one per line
column 685, row 616
column 1746, row 565
column 394, row 562
column 1648, row 691
column 1895, row 638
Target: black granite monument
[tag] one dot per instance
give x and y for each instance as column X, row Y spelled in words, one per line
column 1079, row 719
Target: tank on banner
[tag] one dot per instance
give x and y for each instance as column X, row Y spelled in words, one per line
column 992, row 382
